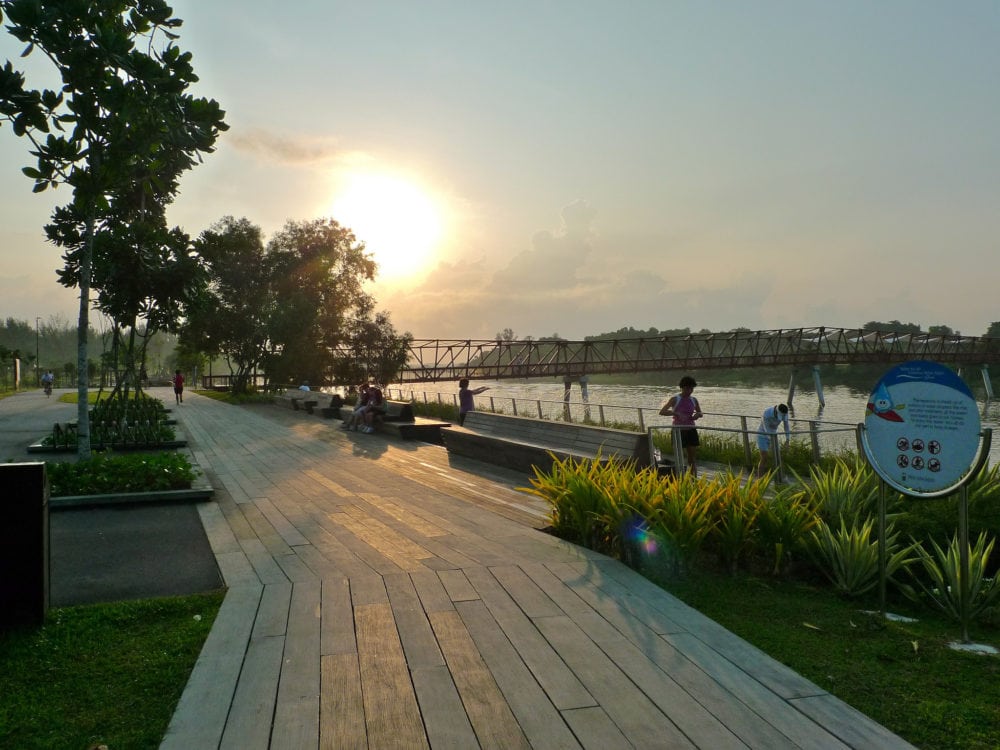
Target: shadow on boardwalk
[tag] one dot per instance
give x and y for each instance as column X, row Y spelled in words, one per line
column 381, row 595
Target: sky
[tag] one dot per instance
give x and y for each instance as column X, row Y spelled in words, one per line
column 575, row 167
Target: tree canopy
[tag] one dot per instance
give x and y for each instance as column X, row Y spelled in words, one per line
column 294, row 308
column 120, row 131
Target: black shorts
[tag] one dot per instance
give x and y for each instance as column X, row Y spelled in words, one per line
column 689, row 438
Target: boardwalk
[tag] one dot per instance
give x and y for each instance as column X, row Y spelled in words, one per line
column 383, row 595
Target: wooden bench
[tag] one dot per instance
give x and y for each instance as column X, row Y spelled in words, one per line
column 400, row 420
column 299, row 400
column 395, row 411
column 522, row 443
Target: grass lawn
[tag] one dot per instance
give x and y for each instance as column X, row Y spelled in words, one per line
column 108, row 674
column 903, row 675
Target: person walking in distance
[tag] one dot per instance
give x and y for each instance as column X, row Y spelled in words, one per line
column 466, row 402
column 685, row 409
column 767, row 432
column 178, row 381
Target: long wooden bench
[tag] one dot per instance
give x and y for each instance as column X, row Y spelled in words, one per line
column 400, row 420
column 395, row 411
column 302, row 400
column 522, row 443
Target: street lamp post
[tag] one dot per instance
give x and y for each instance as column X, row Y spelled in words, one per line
column 37, row 371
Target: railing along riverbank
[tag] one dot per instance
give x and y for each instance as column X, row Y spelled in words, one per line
column 821, row 436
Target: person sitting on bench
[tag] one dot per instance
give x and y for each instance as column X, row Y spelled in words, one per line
column 355, row 419
column 374, row 409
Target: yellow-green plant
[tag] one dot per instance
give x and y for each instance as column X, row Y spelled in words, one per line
column 575, row 500
column 844, row 491
column 944, row 572
column 737, row 508
column 849, row 555
column 629, row 495
column 682, row 518
column 785, row 524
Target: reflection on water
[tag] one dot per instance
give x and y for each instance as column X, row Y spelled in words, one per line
column 722, row 405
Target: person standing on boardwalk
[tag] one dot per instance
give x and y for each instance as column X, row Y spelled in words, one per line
column 767, row 432
column 685, row 409
column 466, row 402
column 178, row 381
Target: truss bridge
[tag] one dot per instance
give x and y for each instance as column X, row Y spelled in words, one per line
column 431, row 360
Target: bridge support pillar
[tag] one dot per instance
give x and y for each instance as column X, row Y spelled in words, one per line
column 819, row 386
column 567, row 384
column 987, row 383
column 791, row 389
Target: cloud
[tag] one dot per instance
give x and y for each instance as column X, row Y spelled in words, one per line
column 270, row 146
column 555, row 258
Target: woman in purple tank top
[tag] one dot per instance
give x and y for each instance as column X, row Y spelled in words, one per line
column 684, row 409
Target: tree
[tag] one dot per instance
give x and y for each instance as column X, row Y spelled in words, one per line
column 126, row 129
column 318, row 269
column 230, row 316
column 372, row 350
column 893, row 326
column 941, row 330
column 295, row 308
column 994, row 330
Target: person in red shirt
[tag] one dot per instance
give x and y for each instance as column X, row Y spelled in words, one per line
column 178, row 381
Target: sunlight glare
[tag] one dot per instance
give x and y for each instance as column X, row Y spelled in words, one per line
column 399, row 222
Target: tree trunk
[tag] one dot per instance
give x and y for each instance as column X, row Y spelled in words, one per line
column 82, row 332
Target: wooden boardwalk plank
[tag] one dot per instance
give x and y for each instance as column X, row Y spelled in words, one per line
column 201, row 713
column 441, row 706
column 563, row 687
column 631, row 710
column 415, row 633
column 485, row 705
column 595, row 729
column 342, row 711
column 296, row 712
column 252, row 712
column 337, row 619
column 539, row 719
column 392, row 717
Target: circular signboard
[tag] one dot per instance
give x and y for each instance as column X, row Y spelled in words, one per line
column 921, row 428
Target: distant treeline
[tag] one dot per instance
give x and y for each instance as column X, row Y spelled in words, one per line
column 873, row 325
column 859, row 377
column 55, row 343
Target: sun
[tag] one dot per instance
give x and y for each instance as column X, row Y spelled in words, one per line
column 399, row 221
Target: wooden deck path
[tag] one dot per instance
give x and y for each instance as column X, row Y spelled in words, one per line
column 384, row 595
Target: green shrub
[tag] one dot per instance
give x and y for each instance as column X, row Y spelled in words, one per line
column 104, row 473
column 785, row 525
column 849, row 556
column 944, row 585
column 737, row 511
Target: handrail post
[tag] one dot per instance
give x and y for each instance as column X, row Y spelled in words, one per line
column 538, row 403
column 642, row 425
column 747, row 455
column 492, row 406
column 513, row 403
column 600, row 413
column 779, row 471
column 814, row 439
column 675, row 437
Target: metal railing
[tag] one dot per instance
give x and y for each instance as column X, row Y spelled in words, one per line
column 828, row 436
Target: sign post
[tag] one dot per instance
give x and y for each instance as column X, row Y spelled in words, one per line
column 921, row 435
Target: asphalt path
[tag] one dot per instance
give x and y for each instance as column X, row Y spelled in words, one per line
column 106, row 554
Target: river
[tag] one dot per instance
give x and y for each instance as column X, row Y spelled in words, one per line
column 723, row 405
